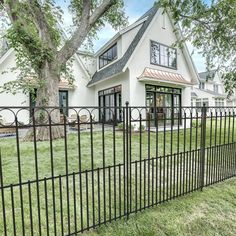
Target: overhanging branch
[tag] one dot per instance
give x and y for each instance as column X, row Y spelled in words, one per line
column 85, row 25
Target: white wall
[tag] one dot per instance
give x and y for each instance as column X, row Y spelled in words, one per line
column 128, row 37
column 121, row 79
column 89, row 62
column 80, row 96
column 8, row 99
column 141, row 59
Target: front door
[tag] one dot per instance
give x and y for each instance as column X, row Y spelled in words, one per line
column 110, row 103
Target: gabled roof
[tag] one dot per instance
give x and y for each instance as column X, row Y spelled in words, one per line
column 207, row 75
column 193, row 94
column 118, row 66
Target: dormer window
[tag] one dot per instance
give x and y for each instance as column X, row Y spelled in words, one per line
column 163, row 55
column 201, row 85
column 108, row 56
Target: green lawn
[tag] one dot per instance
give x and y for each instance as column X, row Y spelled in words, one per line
column 168, row 142
column 211, row 212
column 104, row 154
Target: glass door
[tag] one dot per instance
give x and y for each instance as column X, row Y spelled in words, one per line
column 150, row 102
column 176, row 109
column 63, row 102
column 168, row 104
column 165, row 102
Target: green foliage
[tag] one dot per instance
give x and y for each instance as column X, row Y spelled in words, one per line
column 120, row 126
column 211, row 28
column 37, row 39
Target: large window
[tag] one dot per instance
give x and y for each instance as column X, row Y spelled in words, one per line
column 219, row 102
column 163, row 103
column 163, row 55
column 201, row 85
column 108, row 56
column 110, row 103
column 200, row 102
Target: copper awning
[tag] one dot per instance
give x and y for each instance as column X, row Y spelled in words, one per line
column 162, row 76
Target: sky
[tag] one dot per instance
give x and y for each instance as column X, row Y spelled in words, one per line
column 133, row 9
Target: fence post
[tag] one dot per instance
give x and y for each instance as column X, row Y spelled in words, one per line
column 203, row 146
column 127, row 156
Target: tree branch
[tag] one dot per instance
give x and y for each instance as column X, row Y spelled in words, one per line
column 85, row 25
column 9, row 6
column 40, row 22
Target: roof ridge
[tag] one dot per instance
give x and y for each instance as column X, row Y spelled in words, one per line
column 147, row 13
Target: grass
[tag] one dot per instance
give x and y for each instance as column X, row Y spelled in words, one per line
column 104, row 154
column 168, row 142
column 211, row 212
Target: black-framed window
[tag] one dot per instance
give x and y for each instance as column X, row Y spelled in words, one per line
column 110, row 102
column 108, row 56
column 200, row 102
column 163, row 103
column 63, row 101
column 202, row 85
column 163, row 55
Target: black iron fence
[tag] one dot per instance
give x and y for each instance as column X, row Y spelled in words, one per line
column 99, row 171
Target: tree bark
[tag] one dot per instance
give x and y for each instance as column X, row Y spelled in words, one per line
column 46, row 114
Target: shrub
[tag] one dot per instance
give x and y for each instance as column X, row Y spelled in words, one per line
column 121, row 125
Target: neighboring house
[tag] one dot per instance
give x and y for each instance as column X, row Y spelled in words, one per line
column 138, row 65
column 210, row 91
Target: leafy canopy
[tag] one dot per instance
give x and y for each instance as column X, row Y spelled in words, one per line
column 34, row 31
column 211, row 28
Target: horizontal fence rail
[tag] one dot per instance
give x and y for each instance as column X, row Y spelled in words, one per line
column 65, row 171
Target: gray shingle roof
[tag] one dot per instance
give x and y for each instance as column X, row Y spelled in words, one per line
column 118, row 66
column 193, row 94
column 207, row 75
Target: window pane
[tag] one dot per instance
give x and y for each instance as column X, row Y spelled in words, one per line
column 108, row 56
column 164, row 55
column 155, row 53
column 172, row 57
column 115, row 51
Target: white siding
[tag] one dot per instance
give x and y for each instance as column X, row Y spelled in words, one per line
column 8, row 99
column 141, row 59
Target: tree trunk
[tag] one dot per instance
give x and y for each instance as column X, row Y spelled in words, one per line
column 47, row 110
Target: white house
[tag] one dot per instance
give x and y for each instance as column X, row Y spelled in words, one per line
column 210, row 91
column 138, row 65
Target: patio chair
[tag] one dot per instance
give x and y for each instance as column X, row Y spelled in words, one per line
column 84, row 121
column 73, row 120
column 6, row 130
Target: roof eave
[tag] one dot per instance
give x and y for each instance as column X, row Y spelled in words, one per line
column 6, row 55
column 91, row 83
